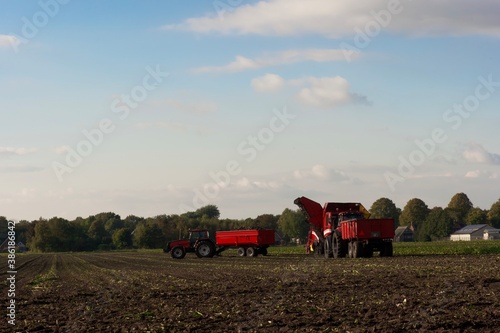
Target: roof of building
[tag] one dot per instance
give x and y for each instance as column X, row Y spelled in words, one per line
column 469, row 229
column 400, row 230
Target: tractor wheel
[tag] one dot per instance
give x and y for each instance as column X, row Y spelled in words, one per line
column 251, row 252
column 335, row 246
column 205, row 249
column 263, row 251
column 357, row 249
column 178, row 252
column 242, row 252
column 328, row 247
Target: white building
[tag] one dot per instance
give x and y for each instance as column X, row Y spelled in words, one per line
column 472, row 232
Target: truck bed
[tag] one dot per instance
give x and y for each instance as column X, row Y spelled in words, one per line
column 244, row 238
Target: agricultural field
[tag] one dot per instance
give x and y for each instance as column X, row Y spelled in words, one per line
column 286, row 291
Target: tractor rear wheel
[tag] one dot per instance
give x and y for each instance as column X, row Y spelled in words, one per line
column 242, row 252
column 251, row 252
column 205, row 249
column 178, row 252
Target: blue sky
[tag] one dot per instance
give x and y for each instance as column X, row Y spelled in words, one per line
column 158, row 107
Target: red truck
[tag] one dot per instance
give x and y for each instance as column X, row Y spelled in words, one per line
column 345, row 229
column 249, row 243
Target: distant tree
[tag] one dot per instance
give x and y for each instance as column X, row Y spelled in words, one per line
column 3, row 228
column 414, row 213
column 122, row 238
column 293, row 223
column 149, row 236
column 24, row 231
column 436, row 226
column 458, row 207
column 211, row 211
column 55, row 235
column 267, row 221
column 385, row 208
column 494, row 214
column 475, row 215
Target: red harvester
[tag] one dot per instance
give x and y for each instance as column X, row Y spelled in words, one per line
column 340, row 229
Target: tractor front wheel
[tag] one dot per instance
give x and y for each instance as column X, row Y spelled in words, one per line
column 178, row 252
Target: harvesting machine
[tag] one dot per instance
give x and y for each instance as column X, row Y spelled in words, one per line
column 340, row 229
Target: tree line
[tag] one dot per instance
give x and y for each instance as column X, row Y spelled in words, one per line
column 106, row 231
column 436, row 223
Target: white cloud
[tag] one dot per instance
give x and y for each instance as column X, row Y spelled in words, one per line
column 242, row 63
column 8, row 40
column 320, row 172
column 328, row 92
column 476, row 153
column 481, row 174
column 336, row 19
column 16, row 151
column 268, row 83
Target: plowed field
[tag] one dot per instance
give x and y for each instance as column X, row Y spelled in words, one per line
column 149, row 291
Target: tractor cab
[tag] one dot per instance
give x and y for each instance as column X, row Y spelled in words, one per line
column 197, row 234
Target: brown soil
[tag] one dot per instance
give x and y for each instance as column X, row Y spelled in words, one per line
column 149, row 291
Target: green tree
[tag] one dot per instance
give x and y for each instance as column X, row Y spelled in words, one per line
column 122, row 238
column 414, row 213
column 293, row 223
column 476, row 215
column 267, row 221
column 437, row 225
column 148, row 235
column 384, row 208
column 211, row 211
column 494, row 214
column 458, row 207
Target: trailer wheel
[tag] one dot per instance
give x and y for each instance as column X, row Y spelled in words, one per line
column 178, row 252
column 389, row 250
column 205, row 249
column 349, row 249
column 242, row 252
column 251, row 252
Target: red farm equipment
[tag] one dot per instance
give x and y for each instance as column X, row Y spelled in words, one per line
column 340, row 229
column 249, row 243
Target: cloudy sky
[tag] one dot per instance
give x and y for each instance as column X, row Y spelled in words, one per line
column 160, row 107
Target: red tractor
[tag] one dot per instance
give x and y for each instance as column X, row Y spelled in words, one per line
column 344, row 229
column 249, row 243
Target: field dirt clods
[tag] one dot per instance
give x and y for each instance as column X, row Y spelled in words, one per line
column 149, row 291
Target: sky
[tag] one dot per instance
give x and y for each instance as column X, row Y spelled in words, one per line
column 162, row 107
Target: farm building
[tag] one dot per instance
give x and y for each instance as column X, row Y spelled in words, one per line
column 403, row 234
column 490, row 234
column 471, row 232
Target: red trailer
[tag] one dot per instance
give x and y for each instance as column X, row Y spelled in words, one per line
column 248, row 242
